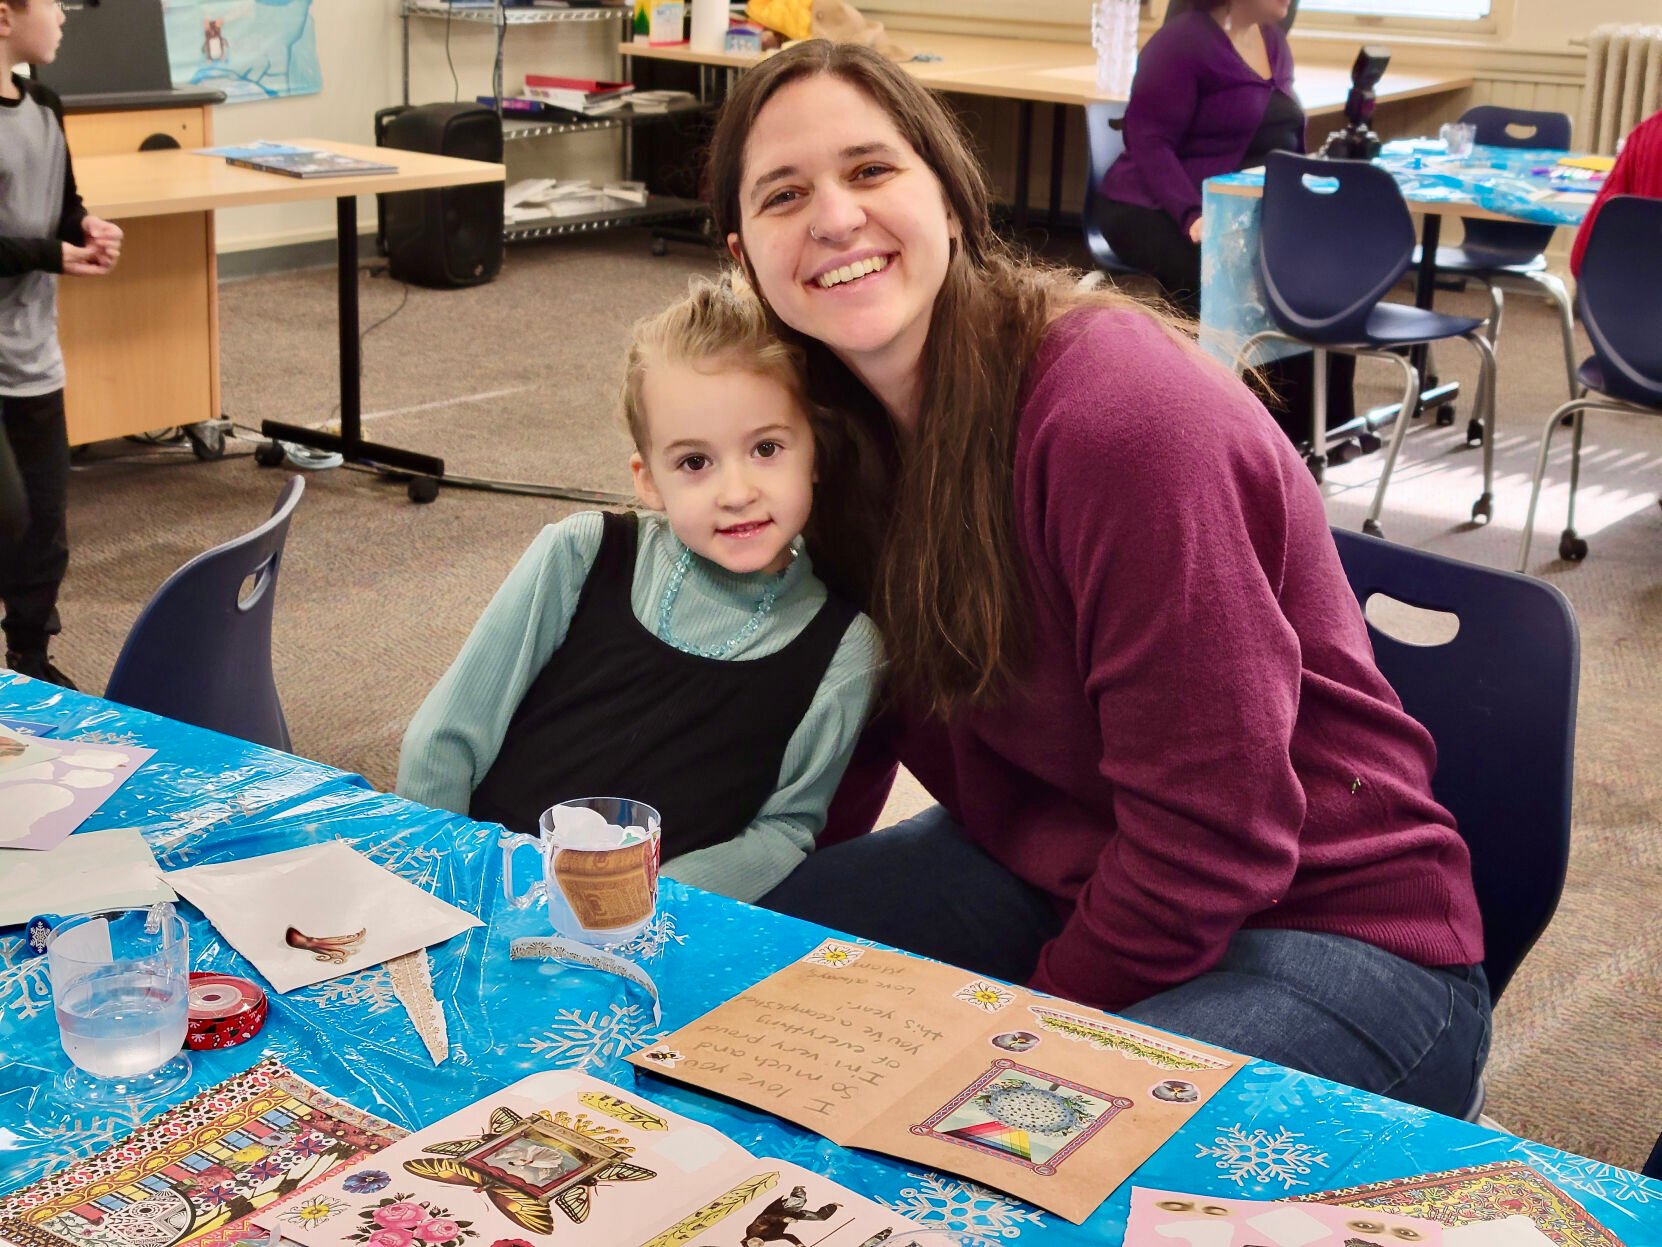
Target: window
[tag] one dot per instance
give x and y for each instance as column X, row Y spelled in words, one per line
column 1415, row 10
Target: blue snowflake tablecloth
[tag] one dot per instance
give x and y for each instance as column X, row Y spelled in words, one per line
column 206, row 798
column 1511, row 181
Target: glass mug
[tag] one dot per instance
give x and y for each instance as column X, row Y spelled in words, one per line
column 121, row 995
column 1458, row 137
column 600, row 868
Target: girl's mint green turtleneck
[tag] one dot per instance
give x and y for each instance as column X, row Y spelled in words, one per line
column 455, row 735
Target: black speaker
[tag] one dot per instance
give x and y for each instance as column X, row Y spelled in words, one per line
column 451, row 236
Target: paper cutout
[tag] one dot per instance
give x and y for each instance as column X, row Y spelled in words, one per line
column 412, row 983
column 881, row 1052
column 1172, row 1219
column 1481, row 1193
column 21, row 749
column 50, row 790
column 334, row 949
column 91, row 871
column 197, row 1171
column 329, row 888
column 584, row 1163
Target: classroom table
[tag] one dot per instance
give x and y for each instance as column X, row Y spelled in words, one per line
column 1493, row 183
column 204, row 797
column 1030, row 71
column 168, row 183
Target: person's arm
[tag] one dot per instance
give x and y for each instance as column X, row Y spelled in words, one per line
column 1619, row 181
column 1164, row 96
column 457, row 733
column 72, row 211
column 1167, row 526
column 67, row 250
column 751, row 864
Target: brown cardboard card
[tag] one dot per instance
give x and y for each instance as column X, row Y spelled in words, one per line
column 1054, row 1102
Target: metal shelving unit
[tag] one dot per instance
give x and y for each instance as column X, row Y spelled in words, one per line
column 658, row 210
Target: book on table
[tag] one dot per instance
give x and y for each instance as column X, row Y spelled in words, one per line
column 579, row 1161
column 309, row 163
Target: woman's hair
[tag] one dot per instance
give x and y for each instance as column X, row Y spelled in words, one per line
column 928, row 538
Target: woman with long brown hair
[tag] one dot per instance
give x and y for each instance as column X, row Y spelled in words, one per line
column 1125, row 657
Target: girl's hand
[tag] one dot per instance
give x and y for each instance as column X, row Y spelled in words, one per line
column 84, row 261
column 1194, row 230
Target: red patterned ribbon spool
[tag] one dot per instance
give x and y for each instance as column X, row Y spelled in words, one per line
column 224, row 1011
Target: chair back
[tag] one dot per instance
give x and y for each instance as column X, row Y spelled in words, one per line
column 200, row 651
column 1329, row 255
column 1499, row 699
column 1512, row 242
column 1104, row 144
column 1621, row 298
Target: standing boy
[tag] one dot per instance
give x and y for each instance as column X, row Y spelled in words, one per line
column 44, row 231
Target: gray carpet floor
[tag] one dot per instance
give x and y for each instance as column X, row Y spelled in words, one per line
column 517, row 380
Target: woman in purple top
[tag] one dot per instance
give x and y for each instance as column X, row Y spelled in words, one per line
column 1125, row 658
column 1213, row 94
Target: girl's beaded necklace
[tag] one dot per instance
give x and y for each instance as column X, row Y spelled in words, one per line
column 666, row 607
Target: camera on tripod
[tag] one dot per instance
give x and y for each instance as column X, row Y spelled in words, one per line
column 1357, row 141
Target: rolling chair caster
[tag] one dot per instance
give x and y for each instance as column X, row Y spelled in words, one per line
column 1318, row 466
column 268, row 454
column 1445, row 415
column 423, row 488
column 1474, row 432
column 207, row 439
column 1483, row 510
column 1368, row 442
column 1372, row 529
column 1571, row 549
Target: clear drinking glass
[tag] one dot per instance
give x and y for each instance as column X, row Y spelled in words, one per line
column 121, row 993
column 600, row 868
column 1458, row 137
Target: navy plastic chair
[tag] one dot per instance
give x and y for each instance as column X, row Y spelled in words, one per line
column 1499, row 700
column 1336, row 237
column 1105, row 143
column 1508, row 255
column 200, row 651
column 1621, row 306
column 1653, row 1166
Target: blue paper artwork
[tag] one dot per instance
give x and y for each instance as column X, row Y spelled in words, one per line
column 249, row 49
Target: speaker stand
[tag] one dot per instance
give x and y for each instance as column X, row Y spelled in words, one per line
column 349, row 443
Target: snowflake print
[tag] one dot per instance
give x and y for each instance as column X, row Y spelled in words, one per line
column 578, row 1042
column 965, row 1207
column 371, row 988
column 24, row 987
column 107, row 738
column 1579, row 1173
column 1263, row 1157
column 834, row 955
column 987, row 996
column 659, row 934
column 414, row 862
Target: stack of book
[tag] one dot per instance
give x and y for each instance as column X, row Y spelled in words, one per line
column 549, row 197
column 578, row 95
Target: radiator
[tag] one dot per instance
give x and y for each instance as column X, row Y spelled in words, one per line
column 1624, row 83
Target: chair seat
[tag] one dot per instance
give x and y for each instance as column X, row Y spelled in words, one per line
column 1591, row 375
column 1398, row 324
column 1478, row 260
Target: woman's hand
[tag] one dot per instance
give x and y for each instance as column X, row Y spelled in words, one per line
column 1194, row 230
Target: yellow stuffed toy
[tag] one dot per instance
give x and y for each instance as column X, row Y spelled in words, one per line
column 792, row 18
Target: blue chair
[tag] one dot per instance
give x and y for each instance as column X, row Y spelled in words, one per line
column 1508, row 255
column 1499, row 700
column 1105, row 143
column 1653, row 1166
column 1336, row 236
column 1621, row 306
column 200, row 651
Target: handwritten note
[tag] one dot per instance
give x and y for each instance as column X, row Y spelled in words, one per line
column 1051, row 1101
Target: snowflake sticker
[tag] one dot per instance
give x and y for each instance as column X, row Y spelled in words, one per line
column 987, row 996
column 834, row 955
column 964, row 1207
column 578, row 1042
column 1263, row 1157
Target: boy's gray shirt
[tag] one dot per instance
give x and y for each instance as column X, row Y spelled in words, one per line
column 38, row 206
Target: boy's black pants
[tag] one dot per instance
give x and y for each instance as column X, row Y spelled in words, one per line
column 34, row 506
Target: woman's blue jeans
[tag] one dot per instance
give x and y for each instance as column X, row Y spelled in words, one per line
column 1331, row 1006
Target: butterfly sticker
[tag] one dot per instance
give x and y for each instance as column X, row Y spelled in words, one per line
column 525, row 1164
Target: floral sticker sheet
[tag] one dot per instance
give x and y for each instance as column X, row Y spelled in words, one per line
column 569, row 1159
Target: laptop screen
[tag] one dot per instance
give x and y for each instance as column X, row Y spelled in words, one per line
column 109, row 46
